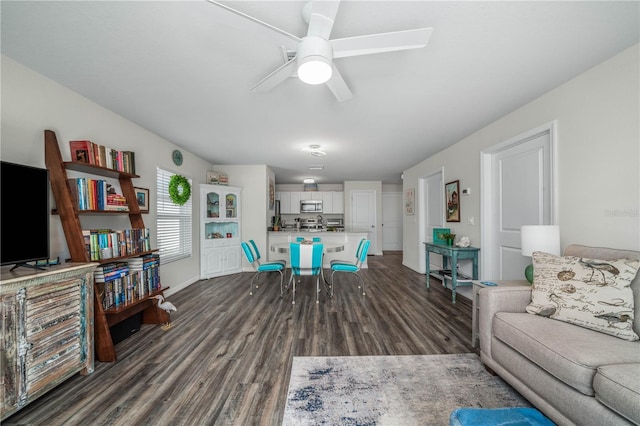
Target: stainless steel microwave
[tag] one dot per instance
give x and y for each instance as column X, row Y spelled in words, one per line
column 311, row 206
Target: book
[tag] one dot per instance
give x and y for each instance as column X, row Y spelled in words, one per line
column 81, row 151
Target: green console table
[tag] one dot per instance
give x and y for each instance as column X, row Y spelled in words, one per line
column 454, row 253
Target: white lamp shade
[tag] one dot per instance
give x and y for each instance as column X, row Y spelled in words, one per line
column 545, row 238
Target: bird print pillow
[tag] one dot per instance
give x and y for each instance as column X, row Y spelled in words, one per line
column 591, row 293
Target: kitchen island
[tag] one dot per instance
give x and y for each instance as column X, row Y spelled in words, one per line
column 350, row 241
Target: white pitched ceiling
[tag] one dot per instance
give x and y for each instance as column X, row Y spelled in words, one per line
column 176, row 69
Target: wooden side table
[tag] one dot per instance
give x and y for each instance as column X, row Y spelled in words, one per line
column 454, row 253
column 477, row 285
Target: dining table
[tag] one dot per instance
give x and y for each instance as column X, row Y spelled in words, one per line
column 328, row 247
column 283, row 248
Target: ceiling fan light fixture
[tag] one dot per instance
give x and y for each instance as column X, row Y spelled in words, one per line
column 314, row 70
column 314, row 60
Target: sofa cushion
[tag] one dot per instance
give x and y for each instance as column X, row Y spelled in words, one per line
column 591, row 293
column 618, row 387
column 571, row 354
column 610, row 254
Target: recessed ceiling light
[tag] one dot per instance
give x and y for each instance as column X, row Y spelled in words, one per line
column 316, row 167
column 309, row 180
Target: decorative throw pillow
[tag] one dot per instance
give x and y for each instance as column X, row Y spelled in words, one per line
column 591, row 293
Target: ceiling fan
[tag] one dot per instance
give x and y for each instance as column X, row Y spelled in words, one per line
column 310, row 58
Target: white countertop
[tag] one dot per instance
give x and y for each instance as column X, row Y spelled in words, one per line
column 303, row 232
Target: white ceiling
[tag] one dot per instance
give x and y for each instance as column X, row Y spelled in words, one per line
column 176, row 69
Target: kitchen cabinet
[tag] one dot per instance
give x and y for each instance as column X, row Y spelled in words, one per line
column 285, row 202
column 309, row 195
column 327, row 201
column 286, row 206
column 220, row 230
column 338, row 202
column 295, row 201
column 332, row 201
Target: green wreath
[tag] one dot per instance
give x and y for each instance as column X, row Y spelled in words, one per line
column 179, row 189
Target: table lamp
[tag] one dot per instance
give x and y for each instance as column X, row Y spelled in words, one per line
column 545, row 238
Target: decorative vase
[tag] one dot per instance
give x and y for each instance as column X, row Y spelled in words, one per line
column 449, row 241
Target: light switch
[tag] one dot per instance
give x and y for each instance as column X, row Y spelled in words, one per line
column 471, row 220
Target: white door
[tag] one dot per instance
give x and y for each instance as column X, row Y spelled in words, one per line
column 520, row 191
column 391, row 221
column 431, row 199
column 363, row 215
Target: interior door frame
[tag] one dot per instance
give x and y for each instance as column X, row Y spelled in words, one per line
column 397, row 196
column 487, row 231
column 421, row 204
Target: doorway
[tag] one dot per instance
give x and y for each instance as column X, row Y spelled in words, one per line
column 518, row 188
column 430, row 198
column 363, row 215
column 391, row 221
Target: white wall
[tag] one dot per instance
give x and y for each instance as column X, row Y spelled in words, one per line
column 32, row 103
column 598, row 117
column 254, row 181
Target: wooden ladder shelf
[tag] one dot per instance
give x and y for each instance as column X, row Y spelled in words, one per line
column 69, row 217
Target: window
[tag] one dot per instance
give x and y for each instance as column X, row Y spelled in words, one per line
column 174, row 221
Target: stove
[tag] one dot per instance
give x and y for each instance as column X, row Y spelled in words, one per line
column 311, row 224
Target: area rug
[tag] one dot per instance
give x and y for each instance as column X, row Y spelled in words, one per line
column 391, row 390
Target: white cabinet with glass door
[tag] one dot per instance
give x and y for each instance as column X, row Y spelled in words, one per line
column 220, row 236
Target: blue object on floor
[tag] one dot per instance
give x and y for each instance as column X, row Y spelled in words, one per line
column 519, row 416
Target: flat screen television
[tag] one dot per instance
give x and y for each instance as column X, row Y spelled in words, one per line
column 24, row 213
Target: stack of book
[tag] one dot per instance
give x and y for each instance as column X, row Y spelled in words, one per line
column 146, row 270
column 106, row 243
column 114, row 284
column 116, row 202
column 96, row 194
column 99, row 155
column 123, row 282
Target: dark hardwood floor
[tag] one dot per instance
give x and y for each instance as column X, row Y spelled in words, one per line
column 228, row 356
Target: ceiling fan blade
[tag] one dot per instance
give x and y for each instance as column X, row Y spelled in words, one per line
column 246, row 23
column 379, row 43
column 338, row 87
column 323, row 13
column 276, row 77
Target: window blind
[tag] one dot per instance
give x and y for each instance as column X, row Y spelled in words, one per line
column 173, row 221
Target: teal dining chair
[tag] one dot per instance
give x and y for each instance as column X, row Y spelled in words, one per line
column 262, row 267
column 353, row 268
column 256, row 252
column 358, row 250
column 301, row 239
column 306, row 260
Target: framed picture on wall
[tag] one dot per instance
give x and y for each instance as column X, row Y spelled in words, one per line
column 452, row 194
column 142, row 196
column 272, row 194
column 410, row 202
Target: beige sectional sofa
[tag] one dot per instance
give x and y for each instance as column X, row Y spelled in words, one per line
column 572, row 374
